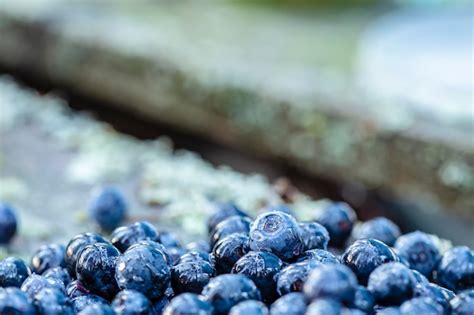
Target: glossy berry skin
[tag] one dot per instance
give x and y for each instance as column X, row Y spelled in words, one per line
column 249, row 307
column 225, row 291
column 125, row 236
column 365, row 255
column 391, row 284
column 379, row 228
column 108, row 208
column 174, row 254
column 58, row 273
column 144, row 269
column 8, row 223
column 52, row 301
column 324, row 306
column 392, row 310
column 97, row 309
column 13, row 271
column 81, row 302
column 35, row 283
column 319, row 255
column 222, row 211
column 421, row 305
column 188, row 303
column 201, row 247
column 336, row 282
column 76, row 289
column 455, row 271
column 130, row 302
column 75, row 245
column 261, row 268
column 420, row 251
column 419, row 278
column 191, row 273
column 463, row 303
column 168, row 239
column 314, row 235
column 95, row 269
column 228, row 251
column 231, row 225
column 363, row 300
column 292, row 277
column 15, row 302
column 290, row 304
column 46, row 257
column 278, row 233
column 338, row 218
column 441, row 295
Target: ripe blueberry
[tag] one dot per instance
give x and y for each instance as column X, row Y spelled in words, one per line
column 108, row 208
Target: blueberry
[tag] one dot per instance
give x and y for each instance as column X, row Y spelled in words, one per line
column 108, row 208
column 455, row 271
column 225, row 291
column 168, row 239
column 34, row 283
column 191, row 273
column 201, row 247
column 324, row 306
column 292, row 277
column 319, row 255
column 391, row 283
column 249, row 307
column 314, row 235
column 419, row 278
column 278, row 233
column 421, row 305
column 392, row 310
column 161, row 304
column 228, row 250
column 131, row 302
column 75, row 289
column 125, row 236
column 463, row 303
column 15, row 302
column 8, row 223
column 338, row 218
column 221, row 212
column 364, row 300
column 58, row 273
column 188, row 303
column 365, row 255
column 336, row 282
column 379, row 228
column 95, row 269
column 261, row 268
column 174, row 254
column 52, row 301
column 75, row 245
column 13, row 271
column 144, row 269
column 420, row 251
column 97, row 309
column 437, row 293
column 48, row 256
column 231, row 225
column 290, row 304
column 81, row 302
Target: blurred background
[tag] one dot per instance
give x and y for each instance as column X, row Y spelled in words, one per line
column 370, row 102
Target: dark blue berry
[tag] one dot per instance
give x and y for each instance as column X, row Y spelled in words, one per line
column 225, row 291
column 314, row 235
column 13, row 271
column 319, row 255
column 455, row 271
column 379, row 228
column 364, row 299
column 228, row 250
column 35, row 283
column 125, row 236
column 292, row 277
column 419, row 278
column 188, row 303
column 108, row 208
column 52, row 301
column 144, row 269
column 131, row 302
column 168, row 239
column 48, row 256
column 81, row 302
column 421, row 305
column 174, row 254
column 191, row 273
column 365, row 255
column 97, row 309
column 290, row 304
column 58, row 273
column 15, row 302
column 437, row 293
column 95, row 269
column 278, row 233
column 391, row 283
column 463, row 303
column 221, row 212
column 201, row 247
column 392, row 310
column 231, row 225
column 420, row 251
column 8, row 223
column 160, row 304
column 249, row 307
column 324, row 306
column 75, row 289
column 338, row 218
column 261, row 268
column 76, row 244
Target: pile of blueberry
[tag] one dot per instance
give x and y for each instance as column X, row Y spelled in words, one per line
column 268, row 265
